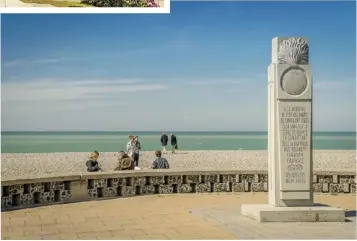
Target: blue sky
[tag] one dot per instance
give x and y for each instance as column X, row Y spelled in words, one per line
column 202, row 67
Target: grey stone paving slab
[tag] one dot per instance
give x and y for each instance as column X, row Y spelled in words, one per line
column 243, row 227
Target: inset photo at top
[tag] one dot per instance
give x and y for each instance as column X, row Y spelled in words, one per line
column 85, row 6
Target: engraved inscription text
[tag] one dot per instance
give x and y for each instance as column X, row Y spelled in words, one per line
column 295, row 139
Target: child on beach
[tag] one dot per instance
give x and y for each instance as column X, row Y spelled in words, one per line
column 92, row 164
column 160, row 162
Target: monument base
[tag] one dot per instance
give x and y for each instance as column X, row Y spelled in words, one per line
column 268, row 213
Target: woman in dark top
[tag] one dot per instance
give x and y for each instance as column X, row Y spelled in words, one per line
column 92, row 163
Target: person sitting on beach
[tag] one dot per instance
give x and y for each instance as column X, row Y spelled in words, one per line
column 124, row 162
column 92, row 163
column 160, row 162
column 96, row 152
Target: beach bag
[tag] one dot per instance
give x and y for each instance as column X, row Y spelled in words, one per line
column 176, row 147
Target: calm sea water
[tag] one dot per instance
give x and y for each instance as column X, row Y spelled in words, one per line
column 42, row 142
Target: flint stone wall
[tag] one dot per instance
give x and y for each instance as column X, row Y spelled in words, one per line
column 22, row 193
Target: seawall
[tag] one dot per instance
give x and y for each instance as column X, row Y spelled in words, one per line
column 55, row 189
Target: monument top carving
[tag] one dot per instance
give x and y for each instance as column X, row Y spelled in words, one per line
column 292, row 51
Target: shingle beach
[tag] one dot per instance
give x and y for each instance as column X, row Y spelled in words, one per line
column 31, row 165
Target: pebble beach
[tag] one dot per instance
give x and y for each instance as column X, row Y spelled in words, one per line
column 31, row 165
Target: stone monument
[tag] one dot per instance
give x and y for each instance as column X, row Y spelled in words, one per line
column 290, row 139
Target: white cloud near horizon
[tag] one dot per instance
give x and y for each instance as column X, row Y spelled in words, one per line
column 144, row 104
column 57, row 104
column 19, row 62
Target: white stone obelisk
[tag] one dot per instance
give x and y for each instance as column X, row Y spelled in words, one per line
column 290, row 139
column 290, row 124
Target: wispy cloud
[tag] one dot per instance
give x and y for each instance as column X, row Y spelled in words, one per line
column 236, row 90
column 214, row 82
column 60, row 90
column 329, row 84
column 20, row 62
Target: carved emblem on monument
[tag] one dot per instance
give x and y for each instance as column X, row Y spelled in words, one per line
column 294, row 81
column 293, row 51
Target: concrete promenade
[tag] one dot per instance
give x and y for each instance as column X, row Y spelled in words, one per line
column 178, row 216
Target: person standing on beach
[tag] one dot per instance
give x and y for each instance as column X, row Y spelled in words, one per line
column 160, row 162
column 174, row 145
column 129, row 146
column 164, row 140
column 136, row 154
column 132, row 149
column 92, row 164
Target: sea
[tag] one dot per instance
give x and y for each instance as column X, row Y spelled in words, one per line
column 46, row 142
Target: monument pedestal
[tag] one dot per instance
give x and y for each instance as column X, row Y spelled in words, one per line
column 269, row 213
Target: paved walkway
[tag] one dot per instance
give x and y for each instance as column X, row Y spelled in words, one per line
column 179, row 216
